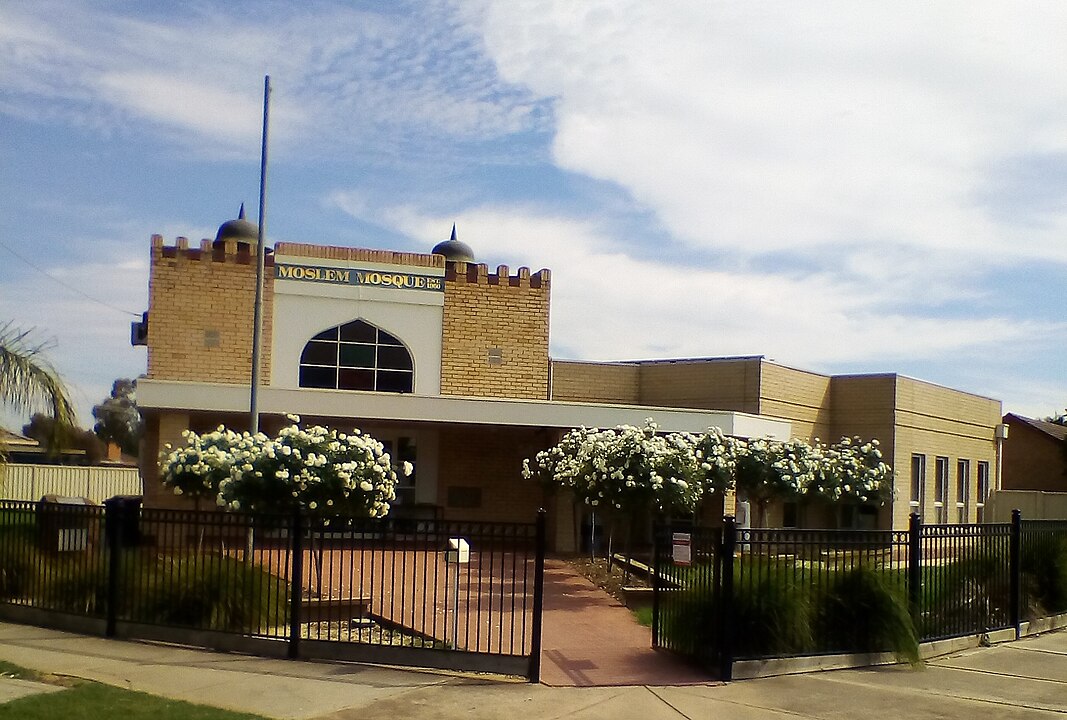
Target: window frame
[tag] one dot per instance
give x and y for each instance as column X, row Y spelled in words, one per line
column 350, row 343
column 918, row 483
column 983, row 489
column 941, row 488
column 963, row 490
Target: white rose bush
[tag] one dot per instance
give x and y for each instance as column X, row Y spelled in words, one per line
column 621, row 469
column 198, row 468
column 853, row 471
column 632, row 469
column 317, row 470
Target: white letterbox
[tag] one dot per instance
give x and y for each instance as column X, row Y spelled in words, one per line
column 458, row 551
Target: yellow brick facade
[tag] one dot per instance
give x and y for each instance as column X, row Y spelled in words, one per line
column 485, row 464
column 615, row 383
column 200, row 312
column 715, row 384
column 939, row 422
column 800, row 396
column 495, row 333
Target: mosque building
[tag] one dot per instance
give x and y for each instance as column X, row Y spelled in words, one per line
column 448, row 363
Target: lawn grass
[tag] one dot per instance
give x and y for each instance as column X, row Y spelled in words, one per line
column 84, row 700
column 643, row 615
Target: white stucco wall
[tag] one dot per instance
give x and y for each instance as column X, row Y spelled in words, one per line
column 303, row 309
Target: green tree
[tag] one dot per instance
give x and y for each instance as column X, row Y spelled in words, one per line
column 28, row 381
column 56, row 437
column 117, row 418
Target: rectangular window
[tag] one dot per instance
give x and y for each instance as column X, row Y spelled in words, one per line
column 790, row 515
column 918, row 483
column 941, row 489
column 963, row 491
column 848, row 517
column 983, row 489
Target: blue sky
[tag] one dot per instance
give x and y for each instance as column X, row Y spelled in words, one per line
column 841, row 186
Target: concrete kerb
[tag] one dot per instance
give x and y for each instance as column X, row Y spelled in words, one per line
column 771, row 667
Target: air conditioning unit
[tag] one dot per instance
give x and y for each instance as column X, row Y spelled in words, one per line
column 139, row 331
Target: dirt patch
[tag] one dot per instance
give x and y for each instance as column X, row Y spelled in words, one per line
column 612, row 580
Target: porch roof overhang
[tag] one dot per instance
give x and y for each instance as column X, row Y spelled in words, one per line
column 192, row 397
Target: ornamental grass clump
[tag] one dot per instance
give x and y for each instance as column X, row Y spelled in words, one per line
column 1044, row 571
column 865, row 611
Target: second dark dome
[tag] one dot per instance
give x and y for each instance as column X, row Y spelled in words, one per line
column 454, row 249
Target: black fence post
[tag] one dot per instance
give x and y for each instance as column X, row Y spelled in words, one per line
column 538, row 599
column 726, row 627
column 915, row 574
column 113, row 520
column 657, row 532
column 1015, row 570
column 296, row 584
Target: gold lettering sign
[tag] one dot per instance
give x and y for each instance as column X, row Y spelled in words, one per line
column 369, row 278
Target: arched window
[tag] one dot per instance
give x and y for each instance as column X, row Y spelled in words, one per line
column 356, row 356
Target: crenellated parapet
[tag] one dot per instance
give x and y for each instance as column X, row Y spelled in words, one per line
column 478, row 273
column 229, row 250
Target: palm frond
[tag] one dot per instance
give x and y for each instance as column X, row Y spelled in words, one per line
column 28, row 381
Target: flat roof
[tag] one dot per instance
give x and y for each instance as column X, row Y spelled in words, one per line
column 447, row 409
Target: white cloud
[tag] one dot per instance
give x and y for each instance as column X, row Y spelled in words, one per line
column 762, row 129
column 609, row 306
column 342, row 78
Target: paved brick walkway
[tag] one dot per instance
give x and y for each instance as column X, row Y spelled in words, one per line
column 590, row 639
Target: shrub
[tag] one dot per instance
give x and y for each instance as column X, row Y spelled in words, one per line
column 1044, row 575
column 770, row 615
column 966, row 596
column 865, row 611
column 19, row 560
column 771, row 611
column 207, row 591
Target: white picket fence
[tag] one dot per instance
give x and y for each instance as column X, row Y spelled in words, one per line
column 31, row 482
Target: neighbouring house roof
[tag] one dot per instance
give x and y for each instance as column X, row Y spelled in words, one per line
column 14, row 441
column 1054, row 430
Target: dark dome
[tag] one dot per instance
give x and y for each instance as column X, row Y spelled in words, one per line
column 454, row 250
column 240, row 230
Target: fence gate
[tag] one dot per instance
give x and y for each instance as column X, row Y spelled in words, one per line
column 688, row 590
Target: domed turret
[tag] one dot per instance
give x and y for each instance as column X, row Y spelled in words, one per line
column 241, row 230
column 454, row 250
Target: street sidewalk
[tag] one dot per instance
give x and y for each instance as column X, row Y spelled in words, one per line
column 1023, row 680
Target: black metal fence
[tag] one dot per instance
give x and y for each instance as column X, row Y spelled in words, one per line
column 430, row 593
column 726, row 594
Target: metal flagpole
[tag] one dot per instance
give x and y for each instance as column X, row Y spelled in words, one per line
column 257, row 321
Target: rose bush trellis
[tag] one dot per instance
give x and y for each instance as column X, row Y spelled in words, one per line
column 629, row 469
column 318, row 470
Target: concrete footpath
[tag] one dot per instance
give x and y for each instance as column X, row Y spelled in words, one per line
column 1023, row 680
